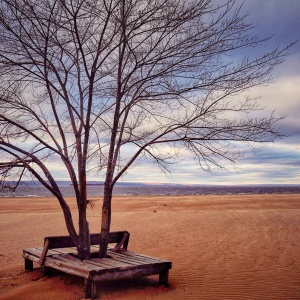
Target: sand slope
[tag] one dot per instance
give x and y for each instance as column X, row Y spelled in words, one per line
column 222, row 247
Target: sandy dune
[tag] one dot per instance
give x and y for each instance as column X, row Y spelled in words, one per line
column 222, row 247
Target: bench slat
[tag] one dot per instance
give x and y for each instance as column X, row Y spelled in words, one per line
column 134, row 254
column 108, row 263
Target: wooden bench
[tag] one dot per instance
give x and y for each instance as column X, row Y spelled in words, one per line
column 59, row 252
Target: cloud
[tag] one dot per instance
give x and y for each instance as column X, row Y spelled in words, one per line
column 278, row 162
column 282, row 95
column 274, row 18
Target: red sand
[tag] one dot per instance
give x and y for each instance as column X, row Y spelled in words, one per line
column 221, row 247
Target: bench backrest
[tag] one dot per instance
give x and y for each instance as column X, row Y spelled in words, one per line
column 121, row 238
column 66, row 241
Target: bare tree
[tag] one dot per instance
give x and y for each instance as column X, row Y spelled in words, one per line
column 97, row 84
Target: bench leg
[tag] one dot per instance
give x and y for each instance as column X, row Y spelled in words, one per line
column 90, row 289
column 164, row 278
column 28, row 264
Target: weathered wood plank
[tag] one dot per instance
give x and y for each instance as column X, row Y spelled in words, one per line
column 33, row 252
column 77, row 264
column 31, row 257
column 122, row 242
column 44, row 252
column 133, row 259
column 105, row 263
column 66, row 241
column 68, row 250
column 49, row 252
column 67, row 257
column 135, row 271
column 109, row 262
column 138, row 259
column 95, row 248
column 101, row 264
column 135, row 254
column 123, row 259
column 78, row 268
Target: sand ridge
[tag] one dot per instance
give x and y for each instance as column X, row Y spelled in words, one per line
column 221, row 247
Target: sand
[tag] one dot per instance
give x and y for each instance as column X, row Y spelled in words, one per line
column 221, row 247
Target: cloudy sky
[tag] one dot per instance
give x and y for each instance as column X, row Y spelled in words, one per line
column 276, row 163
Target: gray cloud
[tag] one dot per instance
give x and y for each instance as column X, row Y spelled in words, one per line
column 278, row 162
column 277, row 18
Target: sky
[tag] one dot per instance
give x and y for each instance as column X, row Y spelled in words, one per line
column 275, row 163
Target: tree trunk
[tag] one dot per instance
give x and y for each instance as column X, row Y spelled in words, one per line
column 84, row 247
column 68, row 218
column 106, row 220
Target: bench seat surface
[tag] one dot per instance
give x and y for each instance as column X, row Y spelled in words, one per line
column 121, row 264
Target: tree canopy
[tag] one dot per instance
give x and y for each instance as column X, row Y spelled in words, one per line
column 97, row 85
